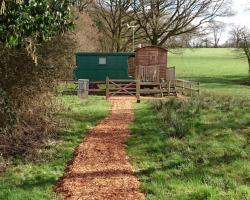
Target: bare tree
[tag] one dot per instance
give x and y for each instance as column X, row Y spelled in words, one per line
column 82, row 4
column 112, row 17
column 241, row 39
column 216, row 28
column 163, row 19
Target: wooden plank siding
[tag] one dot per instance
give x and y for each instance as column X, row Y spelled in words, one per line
column 149, row 64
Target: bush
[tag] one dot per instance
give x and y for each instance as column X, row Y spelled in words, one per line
column 181, row 116
column 177, row 115
column 26, row 99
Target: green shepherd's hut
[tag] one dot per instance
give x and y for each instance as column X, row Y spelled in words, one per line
column 99, row 65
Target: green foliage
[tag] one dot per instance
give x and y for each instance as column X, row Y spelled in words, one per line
column 38, row 54
column 205, row 157
column 40, row 19
column 35, row 180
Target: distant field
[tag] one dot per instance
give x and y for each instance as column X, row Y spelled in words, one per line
column 218, row 70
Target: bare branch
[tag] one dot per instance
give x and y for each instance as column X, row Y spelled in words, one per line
column 163, row 19
column 240, row 36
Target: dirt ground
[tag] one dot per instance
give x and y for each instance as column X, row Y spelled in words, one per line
column 100, row 168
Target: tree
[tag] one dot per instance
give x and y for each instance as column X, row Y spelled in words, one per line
column 163, row 19
column 82, row 4
column 216, row 28
column 111, row 17
column 40, row 20
column 34, row 52
column 241, row 39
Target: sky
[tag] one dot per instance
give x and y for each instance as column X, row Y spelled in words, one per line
column 242, row 16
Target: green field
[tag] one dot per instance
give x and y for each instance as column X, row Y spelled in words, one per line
column 28, row 180
column 218, row 70
column 198, row 148
column 194, row 149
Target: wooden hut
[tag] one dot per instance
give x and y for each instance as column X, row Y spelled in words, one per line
column 150, row 65
column 96, row 66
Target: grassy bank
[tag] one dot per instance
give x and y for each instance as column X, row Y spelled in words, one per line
column 218, row 70
column 35, row 180
column 192, row 149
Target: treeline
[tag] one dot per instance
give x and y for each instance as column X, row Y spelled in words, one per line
column 156, row 22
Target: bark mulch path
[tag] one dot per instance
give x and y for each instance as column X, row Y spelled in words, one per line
column 100, row 169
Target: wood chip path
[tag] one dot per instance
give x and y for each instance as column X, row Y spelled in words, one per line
column 100, row 169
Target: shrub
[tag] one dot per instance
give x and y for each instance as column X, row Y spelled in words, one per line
column 26, row 100
column 181, row 116
column 177, row 115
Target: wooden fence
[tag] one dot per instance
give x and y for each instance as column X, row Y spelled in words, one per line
column 187, row 87
column 134, row 88
column 170, row 74
column 122, row 87
column 148, row 73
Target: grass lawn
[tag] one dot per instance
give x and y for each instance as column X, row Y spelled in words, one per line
column 199, row 148
column 218, row 70
column 29, row 181
column 195, row 149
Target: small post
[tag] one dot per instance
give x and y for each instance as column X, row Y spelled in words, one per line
column 169, row 87
column 183, row 85
column 191, row 89
column 198, row 88
column 138, row 87
column 107, row 88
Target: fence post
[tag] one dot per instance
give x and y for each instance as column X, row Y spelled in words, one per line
column 183, row 85
column 198, row 88
column 138, row 87
column 169, row 87
column 191, row 89
column 138, row 76
column 107, row 88
column 158, row 73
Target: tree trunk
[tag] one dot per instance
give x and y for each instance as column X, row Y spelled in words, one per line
column 248, row 66
column 154, row 40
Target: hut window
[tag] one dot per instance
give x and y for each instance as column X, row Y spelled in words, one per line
column 102, row 60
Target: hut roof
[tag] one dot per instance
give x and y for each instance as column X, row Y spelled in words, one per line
column 151, row 47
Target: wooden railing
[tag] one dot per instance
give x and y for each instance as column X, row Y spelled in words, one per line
column 187, row 87
column 148, row 73
column 133, row 87
column 81, row 87
column 170, row 73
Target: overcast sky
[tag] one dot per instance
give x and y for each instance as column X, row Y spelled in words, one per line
column 242, row 16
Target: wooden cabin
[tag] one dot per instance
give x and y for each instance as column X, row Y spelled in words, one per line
column 150, row 65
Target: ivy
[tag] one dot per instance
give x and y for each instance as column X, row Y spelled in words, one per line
column 39, row 19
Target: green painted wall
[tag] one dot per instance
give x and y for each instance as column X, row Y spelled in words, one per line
column 88, row 66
